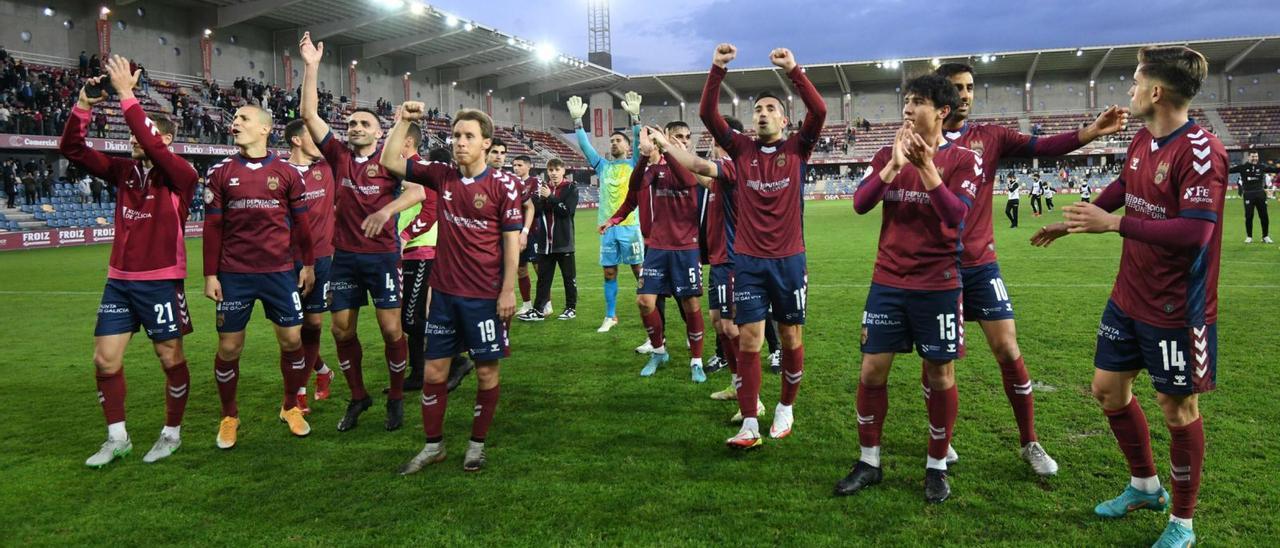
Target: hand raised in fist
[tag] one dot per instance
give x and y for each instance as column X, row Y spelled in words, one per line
column 724, row 54
column 783, row 58
column 412, row 111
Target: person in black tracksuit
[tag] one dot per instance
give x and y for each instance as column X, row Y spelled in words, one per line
column 555, row 204
column 1253, row 188
column 1036, row 191
column 1013, row 190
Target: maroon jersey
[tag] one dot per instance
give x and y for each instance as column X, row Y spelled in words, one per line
column 151, row 203
column 318, row 199
column 667, row 195
column 917, row 249
column 770, row 176
column 251, row 205
column 363, row 188
column 473, row 214
column 993, row 143
column 1182, row 175
column 720, row 215
column 528, row 187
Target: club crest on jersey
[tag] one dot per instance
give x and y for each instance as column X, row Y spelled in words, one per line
column 781, row 161
column 222, row 318
column 479, row 200
column 977, row 147
column 273, row 182
column 1162, row 171
column 317, row 175
column 371, row 171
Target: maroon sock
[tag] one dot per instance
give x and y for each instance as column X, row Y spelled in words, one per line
column 311, row 346
column 434, row 399
column 293, row 367
column 1186, row 453
column 872, row 405
column 227, row 373
column 943, row 406
column 1129, row 424
column 653, row 325
column 731, row 353
column 749, row 387
column 397, row 354
column 111, row 392
column 177, row 381
column 486, row 404
column 350, row 354
column 1017, row 387
column 792, row 372
column 524, row 288
column 694, row 329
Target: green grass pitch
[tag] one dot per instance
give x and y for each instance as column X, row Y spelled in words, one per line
column 584, row 451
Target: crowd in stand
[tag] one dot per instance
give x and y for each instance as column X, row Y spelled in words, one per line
column 34, row 103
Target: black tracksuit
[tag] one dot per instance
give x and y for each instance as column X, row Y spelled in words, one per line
column 1253, row 189
column 554, row 216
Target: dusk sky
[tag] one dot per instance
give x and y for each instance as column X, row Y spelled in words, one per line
column 679, row 35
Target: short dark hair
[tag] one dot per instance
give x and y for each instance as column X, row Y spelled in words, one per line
column 523, row 158
column 947, row 70
column 163, row 124
column 498, row 143
column 368, row 111
column 1179, row 67
column 734, row 124
column 415, row 134
column 554, row 163
column 440, row 154
column 624, row 135
column 769, row 95
column 479, row 117
column 940, row 91
column 293, row 129
column 676, row 124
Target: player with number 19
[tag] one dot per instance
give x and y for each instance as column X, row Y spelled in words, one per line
column 927, row 185
column 473, row 280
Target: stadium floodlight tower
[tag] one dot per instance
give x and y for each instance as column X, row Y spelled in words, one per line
column 598, row 42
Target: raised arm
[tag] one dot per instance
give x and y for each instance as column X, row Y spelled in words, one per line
column 815, row 108
column 685, row 158
column 309, row 103
column 176, row 171
column 578, row 109
column 73, row 146
column 709, row 105
column 631, row 104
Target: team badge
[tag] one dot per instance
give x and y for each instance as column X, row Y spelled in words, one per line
column 273, row 182
column 317, row 175
column 480, row 200
column 222, row 318
column 640, row 282
column 208, row 195
column 977, row 146
column 371, row 171
column 1161, row 172
column 781, row 161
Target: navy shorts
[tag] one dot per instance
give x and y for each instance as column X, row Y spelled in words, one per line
column 721, row 290
column 458, row 323
column 316, row 301
column 895, row 320
column 355, row 276
column 985, row 296
column 760, row 283
column 159, row 306
column 1181, row 361
column 278, row 291
column 530, row 253
column 671, row 272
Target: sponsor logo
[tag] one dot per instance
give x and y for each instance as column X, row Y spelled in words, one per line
column 104, row 233
column 1197, row 194
column 1142, row 206
column 465, row 222
column 252, row 203
column 32, row 239
column 71, row 236
column 448, row 196
column 235, row 181
column 772, row 186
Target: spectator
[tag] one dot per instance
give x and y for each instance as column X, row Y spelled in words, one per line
column 100, row 123
column 86, row 189
column 95, row 188
column 29, row 187
column 46, row 183
column 4, row 118
column 84, row 64
column 95, row 66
